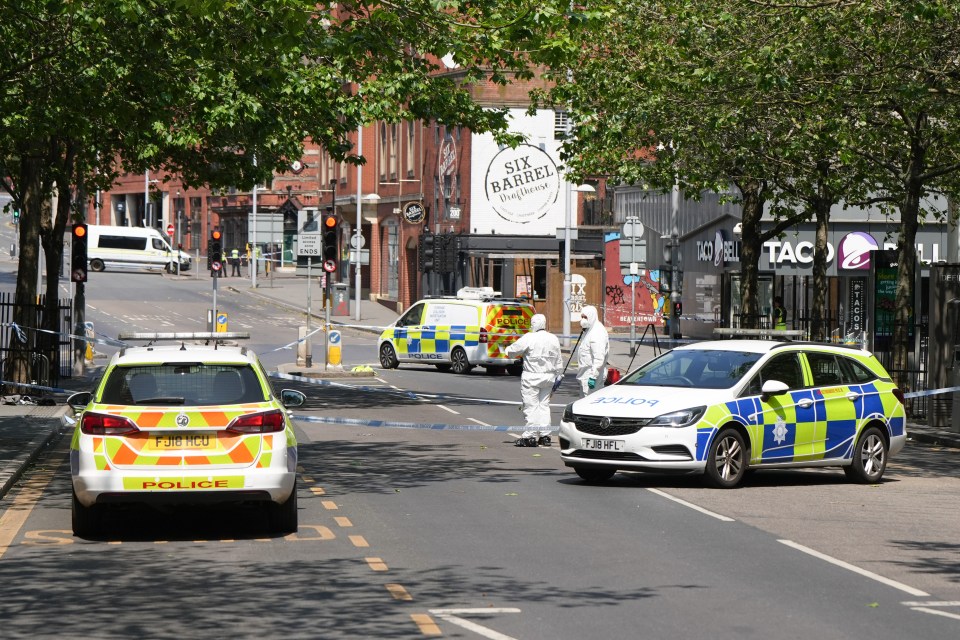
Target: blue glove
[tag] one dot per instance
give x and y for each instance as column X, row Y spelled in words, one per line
column 592, row 383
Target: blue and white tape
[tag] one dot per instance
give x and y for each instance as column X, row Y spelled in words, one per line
column 392, row 424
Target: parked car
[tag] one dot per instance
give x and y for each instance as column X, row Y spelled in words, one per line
column 184, row 423
column 725, row 407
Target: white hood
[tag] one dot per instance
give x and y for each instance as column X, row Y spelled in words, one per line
column 629, row 401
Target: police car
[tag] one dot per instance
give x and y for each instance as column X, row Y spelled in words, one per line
column 458, row 333
column 722, row 408
column 184, row 423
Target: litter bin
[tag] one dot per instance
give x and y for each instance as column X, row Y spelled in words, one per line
column 341, row 299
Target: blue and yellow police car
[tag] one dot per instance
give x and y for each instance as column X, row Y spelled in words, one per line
column 724, row 407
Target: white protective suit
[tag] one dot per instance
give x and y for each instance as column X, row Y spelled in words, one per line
column 594, row 349
column 542, row 363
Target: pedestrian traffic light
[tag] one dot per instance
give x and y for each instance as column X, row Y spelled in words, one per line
column 78, row 253
column 215, row 252
column 428, row 252
column 678, row 308
column 330, row 237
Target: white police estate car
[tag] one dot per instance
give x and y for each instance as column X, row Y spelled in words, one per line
column 723, row 407
column 184, row 423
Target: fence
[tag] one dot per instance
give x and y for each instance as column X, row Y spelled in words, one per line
column 45, row 370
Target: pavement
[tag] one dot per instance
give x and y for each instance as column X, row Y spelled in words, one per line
column 27, row 430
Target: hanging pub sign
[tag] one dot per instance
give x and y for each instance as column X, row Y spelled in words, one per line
column 414, row 213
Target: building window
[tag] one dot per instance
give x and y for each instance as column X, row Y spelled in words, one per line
column 411, row 144
column 383, row 152
column 561, row 125
column 539, row 279
column 393, row 152
column 391, row 271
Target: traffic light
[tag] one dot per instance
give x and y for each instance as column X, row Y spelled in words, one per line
column 330, row 233
column 428, row 252
column 678, row 308
column 78, row 253
column 215, row 252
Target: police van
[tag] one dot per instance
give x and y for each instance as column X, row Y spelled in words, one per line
column 458, row 333
column 132, row 247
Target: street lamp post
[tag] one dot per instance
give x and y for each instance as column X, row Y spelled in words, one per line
column 567, row 244
column 177, row 213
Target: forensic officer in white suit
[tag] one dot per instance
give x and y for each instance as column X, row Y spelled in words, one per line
column 542, row 363
column 594, row 349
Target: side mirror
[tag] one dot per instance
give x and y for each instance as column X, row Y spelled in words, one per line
column 80, row 400
column 292, row 398
column 773, row 388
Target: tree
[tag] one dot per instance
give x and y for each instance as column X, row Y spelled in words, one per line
column 225, row 94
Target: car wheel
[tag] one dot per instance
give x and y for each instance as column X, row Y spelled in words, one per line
column 96, row 264
column 443, row 367
column 85, row 520
column 727, row 459
column 515, row 369
column 459, row 363
column 171, row 267
column 592, row 474
column 869, row 457
column 388, row 357
column 283, row 517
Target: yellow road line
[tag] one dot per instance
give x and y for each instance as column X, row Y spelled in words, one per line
column 359, row 541
column 329, row 505
column 398, row 592
column 427, row 626
column 19, row 510
column 317, row 491
column 343, row 522
column 376, row 564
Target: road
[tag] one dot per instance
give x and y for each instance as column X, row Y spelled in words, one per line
column 410, row 533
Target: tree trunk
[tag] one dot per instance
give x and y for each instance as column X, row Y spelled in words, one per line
column 18, row 364
column 752, row 193
column 818, row 328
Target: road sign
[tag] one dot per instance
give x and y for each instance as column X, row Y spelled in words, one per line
column 309, row 244
column 633, row 253
column 216, row 266
column 357, row 241
column 221, row 322
column 632, row 228
column 170, row 230
column 330, row 266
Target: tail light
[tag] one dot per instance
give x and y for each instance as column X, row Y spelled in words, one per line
column 266, row 422
column 99, row 424
column 898, row 394
column 484, row 336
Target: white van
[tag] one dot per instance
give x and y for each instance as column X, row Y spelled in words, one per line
column 132, row 247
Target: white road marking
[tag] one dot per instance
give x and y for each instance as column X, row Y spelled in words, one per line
column 480, row 422
column 450, row 616
column 932, row 603
column 863, row 572
column 937, row 612
column 692, row 506
column 456, row 413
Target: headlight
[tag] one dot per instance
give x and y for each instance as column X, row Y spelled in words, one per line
column 683, row 418
column 568, row 413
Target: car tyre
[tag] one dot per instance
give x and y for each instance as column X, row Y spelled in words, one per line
column 727, row 460
column 96, row 264
column 388, row 357
column 84, row 520
column 869, row 457
column 283, row 517
column 592, row 474
column 459, row 363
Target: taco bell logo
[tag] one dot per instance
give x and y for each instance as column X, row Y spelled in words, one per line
column 854, row 250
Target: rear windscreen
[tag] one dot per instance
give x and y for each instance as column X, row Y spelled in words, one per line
column 186, row 384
